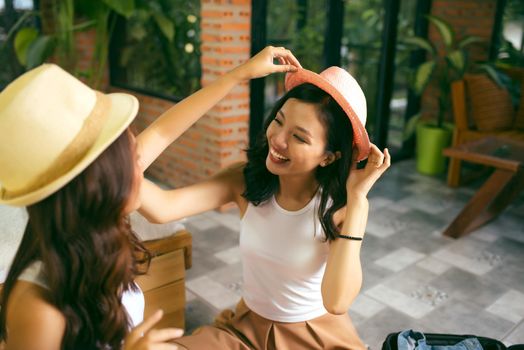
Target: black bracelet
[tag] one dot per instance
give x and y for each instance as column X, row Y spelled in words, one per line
column 352, row 238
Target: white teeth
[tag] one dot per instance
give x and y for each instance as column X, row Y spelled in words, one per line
column 277, row 155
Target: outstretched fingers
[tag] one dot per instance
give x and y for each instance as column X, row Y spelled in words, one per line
column 285, row 57
column 387, row 159
column 376, row 157
column 144, row 337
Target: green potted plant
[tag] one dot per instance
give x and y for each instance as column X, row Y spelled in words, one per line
column 443, row 65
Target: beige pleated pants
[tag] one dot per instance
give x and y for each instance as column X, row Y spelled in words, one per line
column 243, row 329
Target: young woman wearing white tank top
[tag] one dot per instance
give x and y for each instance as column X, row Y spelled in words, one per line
column 303, row 207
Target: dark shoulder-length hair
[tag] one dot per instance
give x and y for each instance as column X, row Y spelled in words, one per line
column 262, row 184
column 89, row 252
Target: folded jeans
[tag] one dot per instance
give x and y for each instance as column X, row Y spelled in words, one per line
column 413, row 340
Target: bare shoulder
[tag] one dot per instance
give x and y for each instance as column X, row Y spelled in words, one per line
column 32, row 322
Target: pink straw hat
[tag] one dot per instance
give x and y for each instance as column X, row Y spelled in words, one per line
column 345, row 90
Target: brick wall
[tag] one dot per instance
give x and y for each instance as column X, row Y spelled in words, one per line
column 467, row 17
column 219, row 138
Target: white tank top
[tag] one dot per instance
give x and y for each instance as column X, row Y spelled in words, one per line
column 283, row 259
column 133, row 301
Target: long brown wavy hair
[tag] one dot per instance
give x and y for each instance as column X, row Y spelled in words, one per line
column 90, row 254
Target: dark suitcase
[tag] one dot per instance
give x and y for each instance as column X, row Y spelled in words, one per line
column 446, row 339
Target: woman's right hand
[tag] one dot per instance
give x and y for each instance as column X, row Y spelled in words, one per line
column 262, row 64
column 142, row 337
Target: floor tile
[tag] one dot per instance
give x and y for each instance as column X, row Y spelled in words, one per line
column 213, row 292
column 378, row 202
column 479, row 265
column 201, row 223
column 463, row 317
column 372, row 275
column 215, row 239
column 428, row 204
column 423, row 241
column 190, row 296
column 203, row 263
column 366, row 306
column 229, row 219
column 229, row 276
column 374, row 330
column 421, row 221
column 429, row 295
column 229, row 256
column 385, row 222
column 433, row 265
column 356, row 318
column 399, row 259
column 509, row 306
column 399, row 301
column 409, row 279
column 465, row 286
column 508, row 275
column 515, row 336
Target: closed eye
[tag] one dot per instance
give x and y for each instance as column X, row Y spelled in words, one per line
column 299, row 138
column 277, row 121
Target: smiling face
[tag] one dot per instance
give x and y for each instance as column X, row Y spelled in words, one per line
column 297, row 140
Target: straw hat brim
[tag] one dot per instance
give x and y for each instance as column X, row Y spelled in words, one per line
column 121, row 113
column 360, row 136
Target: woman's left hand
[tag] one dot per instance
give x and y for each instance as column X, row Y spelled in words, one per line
column 360, row 181
column 262, row 64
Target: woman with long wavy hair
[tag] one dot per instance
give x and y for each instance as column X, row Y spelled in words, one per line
column 67, row 155
column 303, row 207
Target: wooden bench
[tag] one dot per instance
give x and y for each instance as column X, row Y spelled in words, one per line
column 164, row 284
column 500, row 189
column 466, row 129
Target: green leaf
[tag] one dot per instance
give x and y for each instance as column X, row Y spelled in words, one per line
column 492, row 73
column 411, row 127
column 468, row 40
column 457, row 60
column 14, row 27
column 369, row 13
column 137, row 31
column 421, row 43
column 23, row 39
column 422, row 76
column 122, row 7
column 85, row 25
column 445, row 30
column 166, row 26
column 39, row 51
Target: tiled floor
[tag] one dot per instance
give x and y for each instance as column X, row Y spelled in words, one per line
column 413, row 276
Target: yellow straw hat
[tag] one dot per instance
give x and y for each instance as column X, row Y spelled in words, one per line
column 52, row 126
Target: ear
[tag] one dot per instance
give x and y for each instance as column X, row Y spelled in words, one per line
column 330, row 158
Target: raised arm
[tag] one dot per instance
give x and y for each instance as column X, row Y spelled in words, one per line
column 172, row 123
column 160, row 206
column 343, row 275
